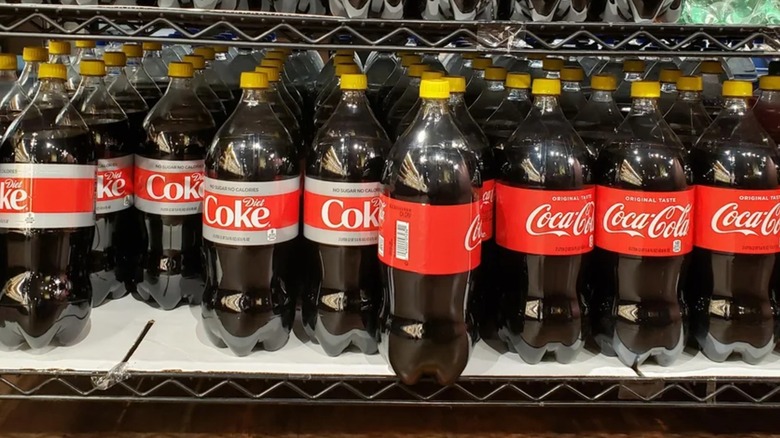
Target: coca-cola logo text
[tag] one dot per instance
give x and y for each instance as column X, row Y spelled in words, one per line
column 474, row 234
column 544, row 221
column 13, row 196
column 728, row 219
column 335, row 214
column 190, row 189
column 671, row 221
column 246, row 213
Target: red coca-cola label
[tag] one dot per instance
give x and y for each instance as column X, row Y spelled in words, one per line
column 47, row 195
column 653, row 224
column 338, row 213
column 737, row 221
column 114, row 184
column 251, row 213
column 429, row 239
column 487, row 198
column 545, row 222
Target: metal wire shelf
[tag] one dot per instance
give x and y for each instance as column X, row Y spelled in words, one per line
column 265, row 29
column 219, row 388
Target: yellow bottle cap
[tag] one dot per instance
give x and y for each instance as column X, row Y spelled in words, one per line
column 115, row 59
column 352, row 81
column 85, row 44
column 92, row 67
column 272, row 73
column 770, row 83
column 7, row 61
column 133, row 50
column 345, row 52
column 518, row 80
column 52, row 71
column 670, row 75
column 549, row 87
column 206, row 52
column 35, row 54
column 646, row 89
column 340, row 59
column 252, row 80
column 689, row 83
column 273, row 54
column 572, row 74
column 495, row 74
column 603, row 82
column 737, row 89
column 536, row 57
column 276, row 63
column 220, row 49
column 59, row 48
column 149, row 46
column 180, row 70
column 634, row 66
column 435, row 89
column 457, row 84
column 416, row 70
column 409, row 59
column 198, row 63
column 469, row 55
column 481, row 63
column 432, row 75
column 711, row 67
column 552, row 64
column 347, row 69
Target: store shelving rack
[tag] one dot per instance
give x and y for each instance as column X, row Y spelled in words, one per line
column 136, row 353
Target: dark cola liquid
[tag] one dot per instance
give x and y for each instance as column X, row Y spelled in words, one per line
column 110, row 257
column 131, row 259
column 742, row 286
column 427, row 321
column 542, row 297
column 150, row 94
column 342, row 298
column 250, row 297
column 649, row 288
column 46, row 297
column 170, row 269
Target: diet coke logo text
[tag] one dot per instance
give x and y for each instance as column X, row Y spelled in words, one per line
column 340, row 213
column 13, row 195
column 336, row 214
column 175, row 188
column 247, row 213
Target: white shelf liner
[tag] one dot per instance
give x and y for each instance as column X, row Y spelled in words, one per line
column 114, row 328
column 694, row 364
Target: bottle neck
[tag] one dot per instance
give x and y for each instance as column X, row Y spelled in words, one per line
column 91, row 82
column 770, row 96
column 632, row 76
column 601, row 96
column 8, row 76
column 494, row 85
column 133, row 61
column 643, row 105
column 689, row 96
column 254, row 97
column 51, row 93
column 115, row 71
column 436, row 107
column 59, row 59
column 668, row 87
column 546, row 104
column 517, row 94
column 152, row 54
column 738, row 106
column 180, row 84
column 456, row 100
column 552, row 74
column 479, row 74
column 353, row 96
column 571, row 87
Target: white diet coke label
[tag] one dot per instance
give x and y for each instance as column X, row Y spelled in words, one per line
column 340, row 213
column 167, row 187
column 114, row 184
column 251, row 213
column 47, row 195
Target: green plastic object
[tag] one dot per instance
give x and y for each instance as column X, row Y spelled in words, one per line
column 757, row 12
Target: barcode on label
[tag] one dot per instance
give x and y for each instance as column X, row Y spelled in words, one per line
column 402, row 240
